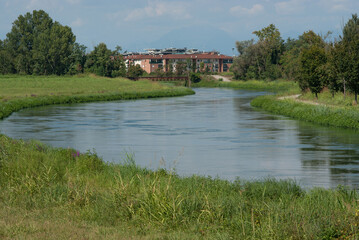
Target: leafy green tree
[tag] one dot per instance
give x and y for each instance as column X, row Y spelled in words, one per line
column 78, row 59
column 39, row 45
column 6, row 65
column 259, row 59
column 134, row 71
column 350, row 41
column 104, row 62
column 181, row 68
column 290, row 60
column 312, row 61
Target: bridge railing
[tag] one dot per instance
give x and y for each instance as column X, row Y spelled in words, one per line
column 157, row 78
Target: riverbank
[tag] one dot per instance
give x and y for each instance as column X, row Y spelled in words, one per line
column 324, row 112
column 19, row 92
column 49, row 193
column 274, row 86
column 327, row 111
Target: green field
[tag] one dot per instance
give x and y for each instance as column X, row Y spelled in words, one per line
column 274, row 86
column 18, row 92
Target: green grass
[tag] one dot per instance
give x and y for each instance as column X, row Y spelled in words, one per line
column 51, row 193
column 325, row 97
column 275, row 86
column 18, row 92
column 54, row 193
column 337, row 116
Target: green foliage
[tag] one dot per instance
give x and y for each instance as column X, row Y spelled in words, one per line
column 38, row 45
column 104, row 62
column 337, row 116
column 275, row 86
column 195, row 77
column 312, row 62
column 259, row 60
column 134, row 71
column 351, row 45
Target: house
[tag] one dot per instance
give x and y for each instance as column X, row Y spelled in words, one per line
column 170, row 58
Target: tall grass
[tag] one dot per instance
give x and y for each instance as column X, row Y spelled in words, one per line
column 347, row 117
column 275, row 86
column 113, row 200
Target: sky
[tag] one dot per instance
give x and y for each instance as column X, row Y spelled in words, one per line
column 203, row 24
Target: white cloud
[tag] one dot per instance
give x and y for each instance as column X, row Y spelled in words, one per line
column 177, row 10
column 77, row 23
column 337, row 5
column 255, row 10
column 290, row 7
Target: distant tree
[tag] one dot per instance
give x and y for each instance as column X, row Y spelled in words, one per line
column 181, row 68
column 195, row 77
column 350, row 41
column 134, row 71
column 312, row 61
column 259, row 59
column 201, row 67
column 39, row 45
column 6, row 61
column 78, row 59
column 104, row 62
column 290, row 60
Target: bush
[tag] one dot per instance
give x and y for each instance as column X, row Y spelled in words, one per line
column 195, row 77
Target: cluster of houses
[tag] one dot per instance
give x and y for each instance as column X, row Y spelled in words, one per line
column 164, row 59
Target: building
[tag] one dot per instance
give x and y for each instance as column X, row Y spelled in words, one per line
column 165, row 59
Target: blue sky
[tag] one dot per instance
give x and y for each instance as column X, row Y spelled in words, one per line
column 203, row 24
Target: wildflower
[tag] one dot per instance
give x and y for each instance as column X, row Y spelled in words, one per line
column 76, row 154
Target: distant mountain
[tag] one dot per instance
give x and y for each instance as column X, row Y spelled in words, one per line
column 201, row 38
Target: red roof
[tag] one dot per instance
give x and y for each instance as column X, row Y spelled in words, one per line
column 179, row 56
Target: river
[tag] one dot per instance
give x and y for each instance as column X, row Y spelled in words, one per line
column 212, row 133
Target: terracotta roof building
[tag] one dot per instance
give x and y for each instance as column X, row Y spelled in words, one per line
column 165, row 59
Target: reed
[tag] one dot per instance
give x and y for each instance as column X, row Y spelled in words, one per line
column 63, row 187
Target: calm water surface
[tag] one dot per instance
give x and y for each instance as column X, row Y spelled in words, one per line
column 213, row 133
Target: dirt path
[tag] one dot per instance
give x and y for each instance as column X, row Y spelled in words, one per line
column 225, row 79
column 296, row 98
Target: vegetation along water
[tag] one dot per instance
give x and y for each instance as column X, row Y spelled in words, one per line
column 48, row 192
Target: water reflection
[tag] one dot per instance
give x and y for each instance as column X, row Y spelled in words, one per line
column 215, row 132
column 333, row 149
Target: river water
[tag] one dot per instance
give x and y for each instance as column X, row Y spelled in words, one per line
column 213, row 133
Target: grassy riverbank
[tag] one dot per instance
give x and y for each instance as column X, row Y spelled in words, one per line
column 52, row 193
column 49, row 193
column 18, row 92
column 275, row 86
column 347, row 117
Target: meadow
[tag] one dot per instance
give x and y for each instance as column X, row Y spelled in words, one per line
column 272, row 86
column 18, row 92
column 49, row 193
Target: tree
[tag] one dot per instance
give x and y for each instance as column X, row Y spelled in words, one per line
column 312, row 61
column 134, row 71
column 259, row 59
column 181, row 68
column 104, row 62
column 350, row 41
column 78, row 59
column 6, row 65
column 39, row 45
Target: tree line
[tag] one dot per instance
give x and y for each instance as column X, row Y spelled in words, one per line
column 38, row 45
column 311, row 60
